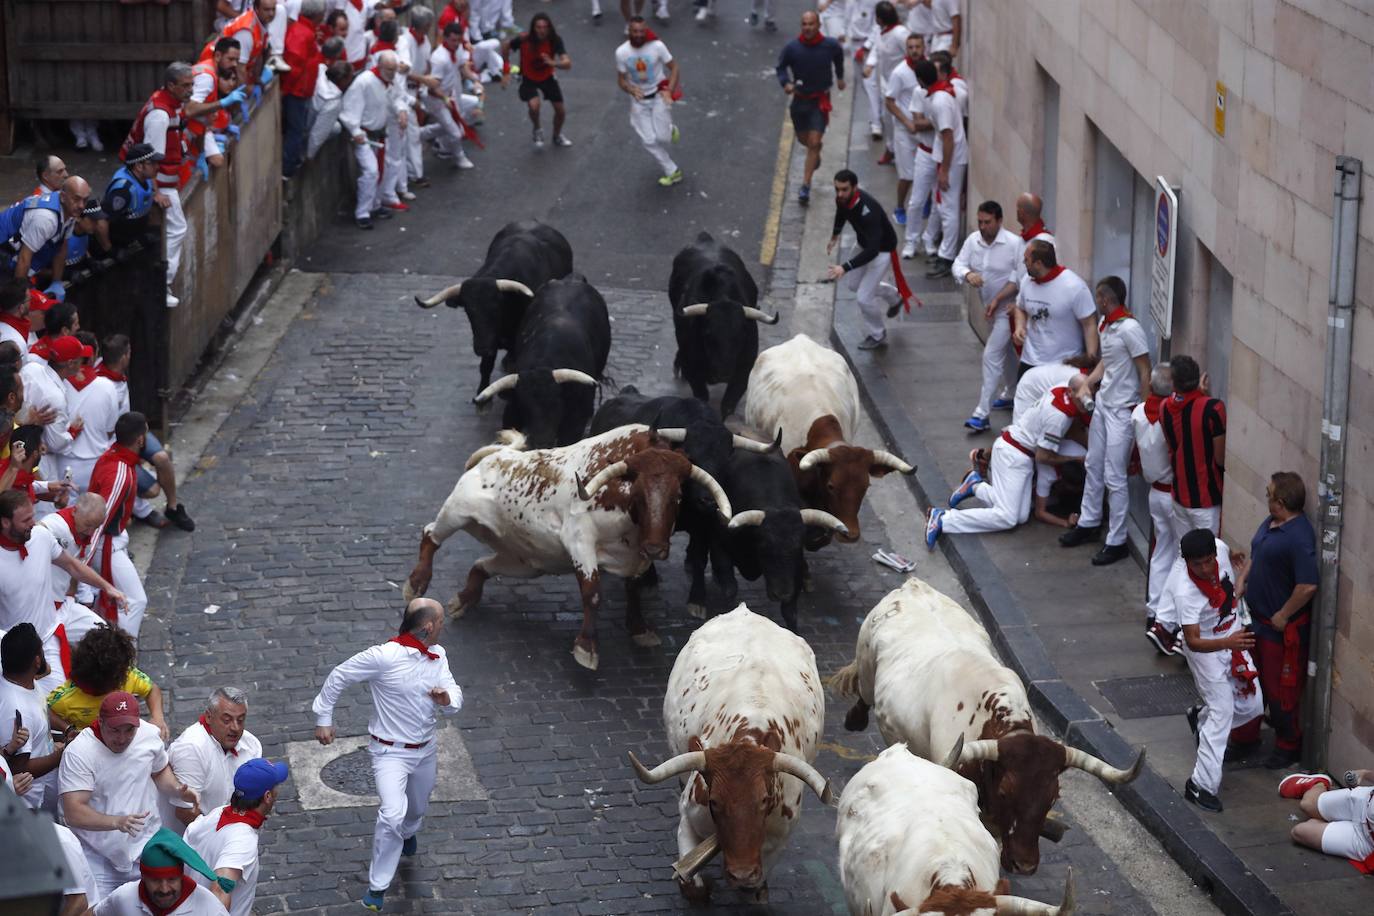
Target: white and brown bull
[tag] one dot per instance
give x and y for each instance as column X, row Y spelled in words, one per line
column 911, row 841
column 744, row 712
column 927, row 669
column 607, row 503
column 808, row 392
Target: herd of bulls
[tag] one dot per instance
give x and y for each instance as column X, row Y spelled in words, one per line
column 744, row 707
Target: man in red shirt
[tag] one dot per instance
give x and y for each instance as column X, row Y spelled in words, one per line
column 303, row 55
column 1194, row 427
column 115, row 479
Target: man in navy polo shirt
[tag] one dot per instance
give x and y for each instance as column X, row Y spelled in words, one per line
column 1278, row 587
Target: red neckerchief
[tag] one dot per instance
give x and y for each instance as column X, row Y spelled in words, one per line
column 954, row 75
column 23, row 481
column 1065, row 404
column 7, row 544
column 409, row 641
column 22, row 325
column 81, row 379
column 69, row 516
column 104, row 371
column 188, row 887
column 95, row 723
column 381, row 46
column 811, row 43
column 229, row 816
column 127, row 456
column 1117, row 314
column 850, row 204
column 42, row 349
column 1216, row 593
column 357, row 5
column 205, row 723
column 1153, row 403
column 1033, row 230
column 912, row 61
column 889, row 28
column 1050, row 274
column 939, row 86
column 419, row 36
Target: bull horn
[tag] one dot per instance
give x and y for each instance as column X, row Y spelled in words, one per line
column 761, row 315
column 979, row 750
column 674, row 434
column 747, row 518
column 686, row 868
column 573, row 375
column 795, row 766
column 722, row 501
column 600, row 479
column 476, row 457
column 889, row 460
column 504, row 383
column 814, row 457
column 822, row 519
column 514, row 286
column 438, row 297
column 690, row 762
column 752, row 445
column 952, row 758
column 1008, row 905
column 1101, row 769
column 695, row 311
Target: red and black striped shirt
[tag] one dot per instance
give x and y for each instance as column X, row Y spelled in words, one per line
column 1191, row 422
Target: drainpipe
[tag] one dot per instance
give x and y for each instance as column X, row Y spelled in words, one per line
column 1331, row 484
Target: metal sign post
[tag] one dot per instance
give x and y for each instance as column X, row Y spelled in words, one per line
column 1162, row 269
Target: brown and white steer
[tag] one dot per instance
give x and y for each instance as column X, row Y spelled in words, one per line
column 911, row 842
column 808, row 392
column 606, row 503
column 744, row 712
column 927, row 669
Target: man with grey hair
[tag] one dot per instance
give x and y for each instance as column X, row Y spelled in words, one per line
column 411, row 684
column 374, row 101
column 206, row 755
column 1159, row 474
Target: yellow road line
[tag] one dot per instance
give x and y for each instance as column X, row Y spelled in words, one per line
column 770, row 227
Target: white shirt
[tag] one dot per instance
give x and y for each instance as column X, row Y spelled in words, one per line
column 32, row 707
column 920, row 20
column 327, row 103
column 276, row 30
column 1043, row 426
column 355, row 42
column 1191, row 604
column 26, row 585
column 942, row 13
column 1154, row 451
column 447, row 67
column 39, row 227
column 1053, row 312
column 19, row 340
column 124, row 901
column 222, row 21
column 1021, row 255
column 1120, row 343
column 44, row 388
column 400, row 679
column 201, row 763
column 80, row 880
column 98, row 407
column 900, row 85
column 889, row 50
column 943, row 111
column 230, row 846
column 205, row 84
column 1033, row 385
column 415, row 53
column 995, row 261
column 119, row 784
column 61, row 582
column 645, row 66
column 490, row 15
column 961, row 94
column 369, row 103
column 925, row 139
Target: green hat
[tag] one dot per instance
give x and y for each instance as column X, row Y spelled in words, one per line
column 166, row 855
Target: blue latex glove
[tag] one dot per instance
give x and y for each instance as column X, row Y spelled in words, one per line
column 257, row 96
column 268, row 74
column 56, row 291
column 233, row 131
column 203, row 166
column 234, row 98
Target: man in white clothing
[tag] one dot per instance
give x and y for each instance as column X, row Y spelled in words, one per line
column 1122, row 374
column 357, row 12
column 1159, row 474
column 1056, row 315
column 80, row 894
column 109, row 780
column 327, row 103
column 987, row 262
column 77, row 530
column 208, row 753
column 898, row 89
column 414, row 49
column 889, row 49
column 411, row 684
column 28, row 744
column 923, row 170
column 648, row 73
column 162, row 887
column 226, row 836
column 372, row 104
column 950, row 152
column 52, row 361
column 450, row 65
column 946, row 26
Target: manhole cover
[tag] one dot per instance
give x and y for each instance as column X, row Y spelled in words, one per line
column 1152, row 695
column 351, row 773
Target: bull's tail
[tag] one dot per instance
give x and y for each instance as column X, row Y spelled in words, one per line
column 845, row 682
column 511, row 438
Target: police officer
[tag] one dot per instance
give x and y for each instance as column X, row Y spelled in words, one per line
column 132, row 193
column 41, row 223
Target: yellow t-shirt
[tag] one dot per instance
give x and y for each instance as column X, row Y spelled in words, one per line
column 80, row 708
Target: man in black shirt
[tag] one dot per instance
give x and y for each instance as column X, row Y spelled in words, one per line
column 874, row 255
column 804, row 68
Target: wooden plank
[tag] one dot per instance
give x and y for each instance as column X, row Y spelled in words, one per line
column 66, row 52
column 96, row 110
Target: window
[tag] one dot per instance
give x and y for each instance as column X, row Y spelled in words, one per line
column 1049, row 146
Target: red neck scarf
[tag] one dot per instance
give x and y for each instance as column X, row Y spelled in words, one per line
column 229, row 816
column 1220, row 595
column 811, row 42
column 1050, row 274
column 954, row 75
column 22, row 325
column 420, row 37
column 377, row 72
column 7, row 544
column 1065, row 404
column 1117, row 314
column 939, row 86
column 188, row 887
column 411, row 642
column 69, row 516
column 42, row 349
column 889, row 28
column 853, row 201
column 95, row 723
column 1153, row 403
column 205, row 723
column 23, row 481
column 357, row 5
column 82, row 378
column 381, row 46
column 913, row 61
column 104, row 371
column 124, row 455
column 1033, row 230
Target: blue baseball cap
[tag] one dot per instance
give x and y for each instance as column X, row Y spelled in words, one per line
column 258, row 776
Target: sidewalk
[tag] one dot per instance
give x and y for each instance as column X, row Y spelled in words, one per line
column 1073, row 631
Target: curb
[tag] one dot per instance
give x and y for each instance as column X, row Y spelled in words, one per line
column 1233, row 887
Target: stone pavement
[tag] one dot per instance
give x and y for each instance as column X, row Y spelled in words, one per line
column 1089, row 619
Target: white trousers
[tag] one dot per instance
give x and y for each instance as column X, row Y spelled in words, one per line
column 653, row 121
column 999, row 361
column 486, row 58
column 415, row 159
column 873, row 90
column 125, row 578
column 939, row 41
column 1007, row 494
column 765, row 8
column 922, row 186
column 368, row 179
column 1165, row 550
column 835, row 19
column 1186, row 519
column 903, row 151
column 405, row 779
column 1224, row 708
column 108, row 878
column 1110, row 437
column 874, row 295
column 174, row 230
column 944, row 214
column 393, row 178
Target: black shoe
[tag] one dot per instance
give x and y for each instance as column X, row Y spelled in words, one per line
column 179, row 517
column 382, row 213
column 419, row 182
column 894, row 308
column 1078, row 535
column 1201, row 797
column 1162, row 638
column 941, row 268
column 363, row 223
column 155, row 519
column 1110, row 553
column 1281, row 759
column 1193, row 713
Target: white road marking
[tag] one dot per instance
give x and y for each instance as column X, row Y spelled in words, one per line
column 457, row 780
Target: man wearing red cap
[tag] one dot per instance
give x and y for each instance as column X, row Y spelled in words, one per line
column 226, row 837
column 109, row 781
column 58, row 359
column 411, row 684
column 162, row 887
column 115, row 479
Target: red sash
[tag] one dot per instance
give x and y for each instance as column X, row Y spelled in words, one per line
column 1290, row 675
column 902, row 289
column 468, row 130
column 64, row 648
column 1010, row 440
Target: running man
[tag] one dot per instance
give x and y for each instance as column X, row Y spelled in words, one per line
column 648, row 73
column 541, row 53
column 804, row 71
column 866, row 267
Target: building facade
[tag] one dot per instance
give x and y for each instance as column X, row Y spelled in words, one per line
column 1243, row 107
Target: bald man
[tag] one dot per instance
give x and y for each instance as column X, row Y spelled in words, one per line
column 411, row 684
column 42, row 224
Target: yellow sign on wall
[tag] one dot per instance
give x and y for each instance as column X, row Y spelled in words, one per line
column 1221, row 109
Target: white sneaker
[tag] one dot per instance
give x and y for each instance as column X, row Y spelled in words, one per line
column 560, row 140
column 702, row 13
column 538, row 138
column 875, row 130
column 661, row 12
column 462, row 161
column 172, row 301
column 407, row 195
column 909, row 251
